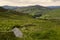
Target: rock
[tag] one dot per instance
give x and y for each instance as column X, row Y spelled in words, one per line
column 17, row 32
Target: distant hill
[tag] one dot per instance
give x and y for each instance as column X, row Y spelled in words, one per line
column 11, row 14
column 10, row 7
column 53, row 7
column 3, row 9
column 33, row 10
column 52, row 14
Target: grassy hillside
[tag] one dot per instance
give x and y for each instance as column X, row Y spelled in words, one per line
column 32, row 10
column 52, row 14
column 33, row 29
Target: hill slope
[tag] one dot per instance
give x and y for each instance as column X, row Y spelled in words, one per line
column 32, row 10
column 33, row 29
column 52, row 14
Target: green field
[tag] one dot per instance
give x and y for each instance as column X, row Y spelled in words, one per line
column 52, row 14
column 45, row 27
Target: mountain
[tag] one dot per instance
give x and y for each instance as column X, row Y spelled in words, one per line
column 52, row 14
column 11, row 14
column 53, row 7
column 32, row 10
column 10, row 7
column 3, row 9
column 35, row 10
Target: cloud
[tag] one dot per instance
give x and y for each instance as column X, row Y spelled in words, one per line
column 56, row 0
column 30, row 2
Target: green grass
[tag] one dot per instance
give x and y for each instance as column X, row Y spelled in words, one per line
column 52, row 14
column 37, row 29
column 43, row 29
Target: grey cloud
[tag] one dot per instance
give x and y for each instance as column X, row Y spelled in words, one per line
column 22, row 1
column 56, row 0
column 28, row 2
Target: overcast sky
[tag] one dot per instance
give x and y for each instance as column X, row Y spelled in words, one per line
column 30, row 2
